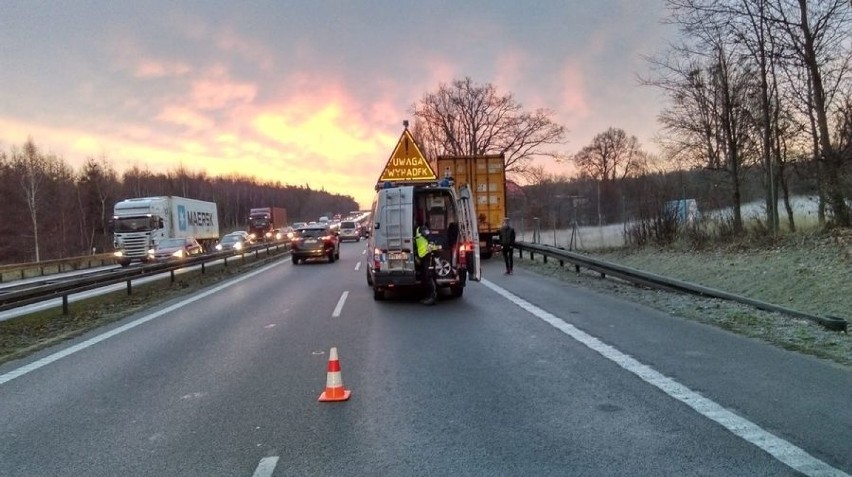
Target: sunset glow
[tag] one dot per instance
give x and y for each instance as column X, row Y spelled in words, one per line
column 267, row 93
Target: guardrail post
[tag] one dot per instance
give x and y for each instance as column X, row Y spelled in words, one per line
column 129, row 288
column 225, row 260
column 202, row 268
column 65, row 304
column 172, row 275
column 576, row 268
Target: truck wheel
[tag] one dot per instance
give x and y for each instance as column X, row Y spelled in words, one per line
column 124, row 263
column 295, row 261
column 378, row 294
column 369, row 278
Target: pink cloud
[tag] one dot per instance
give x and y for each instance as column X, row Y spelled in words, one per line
column 185, row 117
column 151, row 68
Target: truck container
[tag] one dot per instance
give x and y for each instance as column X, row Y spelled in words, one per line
column 139, row 224
column 263, row 222
column 485, row 175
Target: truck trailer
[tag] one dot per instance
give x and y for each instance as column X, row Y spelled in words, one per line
column 485, row 175
column 263, row 221
column 139, row 224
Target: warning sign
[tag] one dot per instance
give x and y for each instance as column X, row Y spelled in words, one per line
column 407, row 163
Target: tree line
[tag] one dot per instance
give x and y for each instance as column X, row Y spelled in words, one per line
column 51, row 211
column 759, row 106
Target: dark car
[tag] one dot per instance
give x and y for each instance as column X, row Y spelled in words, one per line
column 235, row 241
column 315, row 241
column 350, row 230
column 175, row 249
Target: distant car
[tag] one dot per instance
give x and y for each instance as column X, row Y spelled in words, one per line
column 283, row 234
column 175, row 249
column 350, row 230
column 315, row 241
column 233, row 241
column 297, row 225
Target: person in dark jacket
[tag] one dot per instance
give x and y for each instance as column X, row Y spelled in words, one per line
column 507, row 241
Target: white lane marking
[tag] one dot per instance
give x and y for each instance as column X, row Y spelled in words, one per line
column 364, row 252
column 15, row 373
column 775, row 446
column 340, row 302
column 266, row 467
column 357, row 266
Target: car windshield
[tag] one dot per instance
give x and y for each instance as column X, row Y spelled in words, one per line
column 171, row 243
column 347, row 225
column 231, row 238
column 312, row 233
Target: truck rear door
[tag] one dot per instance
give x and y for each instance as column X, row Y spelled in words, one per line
column 469, row 230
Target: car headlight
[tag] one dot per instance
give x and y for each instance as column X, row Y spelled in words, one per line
column 238, row 246
column 219, row 247
column 178, row 254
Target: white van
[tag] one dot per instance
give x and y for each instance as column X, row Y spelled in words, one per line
column 391, row 250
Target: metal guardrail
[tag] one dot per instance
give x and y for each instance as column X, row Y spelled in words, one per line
column 21, row 271
column 64, row 288
column 664, row 283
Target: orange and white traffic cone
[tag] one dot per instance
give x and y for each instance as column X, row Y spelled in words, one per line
column 334, row 390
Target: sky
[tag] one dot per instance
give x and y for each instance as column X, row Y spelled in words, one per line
column 308, row 92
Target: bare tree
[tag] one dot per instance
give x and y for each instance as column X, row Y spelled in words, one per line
column 464, row 118
column 31, row 168
column 612, row 156
column 817, row 32
column 97, row 191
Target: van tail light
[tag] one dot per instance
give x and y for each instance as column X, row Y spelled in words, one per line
column 377, row 259
column 464, row 247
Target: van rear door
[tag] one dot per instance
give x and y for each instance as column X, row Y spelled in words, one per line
column 470, row 231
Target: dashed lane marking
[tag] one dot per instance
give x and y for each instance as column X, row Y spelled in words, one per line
column 266, row 467
column 340, row 302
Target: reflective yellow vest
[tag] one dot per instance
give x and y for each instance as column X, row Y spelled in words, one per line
column 422, row 244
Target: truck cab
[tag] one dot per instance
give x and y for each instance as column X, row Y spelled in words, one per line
column 397, row 211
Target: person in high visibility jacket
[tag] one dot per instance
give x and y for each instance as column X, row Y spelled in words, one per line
column 424, row 258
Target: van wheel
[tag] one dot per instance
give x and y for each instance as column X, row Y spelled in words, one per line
column 378, row 294
column 295, row 261
column 369, row 279
column 456, row 291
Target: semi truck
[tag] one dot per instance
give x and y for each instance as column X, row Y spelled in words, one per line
column 263, row 221
column 485, row 176
column 139, row 224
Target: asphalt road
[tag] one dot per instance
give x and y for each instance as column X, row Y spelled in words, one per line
column 523, row 375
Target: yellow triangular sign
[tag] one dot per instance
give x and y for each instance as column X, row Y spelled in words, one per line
column 407, row 163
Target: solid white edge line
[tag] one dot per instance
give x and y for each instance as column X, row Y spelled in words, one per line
column 339, row 307
column 266, row 467
column 780, row 449
column 121, row 329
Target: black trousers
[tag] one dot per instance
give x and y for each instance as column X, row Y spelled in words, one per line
column 508, row 257
column 427, row 276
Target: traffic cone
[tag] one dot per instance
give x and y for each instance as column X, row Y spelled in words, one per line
column 334, row 390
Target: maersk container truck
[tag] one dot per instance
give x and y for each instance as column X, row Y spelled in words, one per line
column 263, row 221
column 139, row 224
column 485, row 175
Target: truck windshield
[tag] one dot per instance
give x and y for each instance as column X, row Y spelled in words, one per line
column 259, row 221
column 134, row 224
